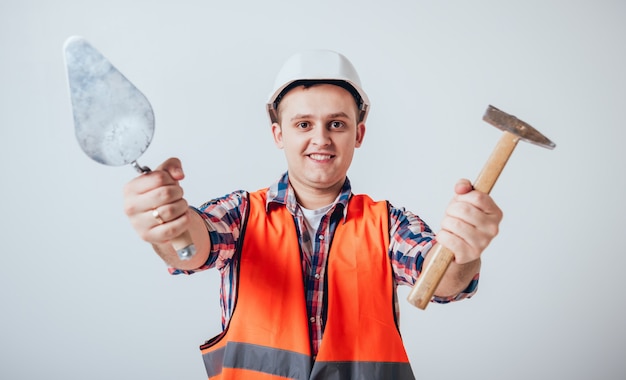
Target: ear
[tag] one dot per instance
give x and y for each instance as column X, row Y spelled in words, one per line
column 360, row 134
column 277, row 132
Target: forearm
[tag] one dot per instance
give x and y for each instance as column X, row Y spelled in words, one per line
column 201, row 240
column 456, row 278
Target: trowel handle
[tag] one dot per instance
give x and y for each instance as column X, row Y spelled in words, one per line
column 441, row 257
column 185, row 249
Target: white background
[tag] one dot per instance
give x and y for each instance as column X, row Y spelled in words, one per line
column 82, row 297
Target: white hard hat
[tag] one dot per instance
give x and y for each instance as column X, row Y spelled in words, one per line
column 324, row 66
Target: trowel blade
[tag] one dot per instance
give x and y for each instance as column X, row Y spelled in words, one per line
column 113, row 120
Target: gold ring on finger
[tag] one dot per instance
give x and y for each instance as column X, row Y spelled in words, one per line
column 156, row 215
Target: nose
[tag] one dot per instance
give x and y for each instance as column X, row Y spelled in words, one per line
column 321, row 136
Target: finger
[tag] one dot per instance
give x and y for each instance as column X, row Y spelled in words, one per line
column 159, row 197
column 476, row 222
column 476, row 235
column 147, row 182
column 167, row 173
column 137, row 203
column 479, row 200
column 470, row 214
column 459, row 228
column 173, row 167
column 163, row 233
column 463, row 186
column 462, row 250
column 165, row 213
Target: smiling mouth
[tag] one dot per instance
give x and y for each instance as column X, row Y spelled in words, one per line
column 321, row 157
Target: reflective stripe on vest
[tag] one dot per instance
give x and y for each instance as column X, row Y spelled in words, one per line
column 271, row 361
column 267, row 336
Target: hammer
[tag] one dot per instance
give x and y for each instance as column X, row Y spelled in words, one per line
column 514, row 130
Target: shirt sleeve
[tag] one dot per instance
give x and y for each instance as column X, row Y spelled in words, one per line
column 410, row 240
column 224, row 219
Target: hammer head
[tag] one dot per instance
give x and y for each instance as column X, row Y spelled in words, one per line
column 511, row 124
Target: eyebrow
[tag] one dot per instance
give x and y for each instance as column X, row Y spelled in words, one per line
column 331, row 116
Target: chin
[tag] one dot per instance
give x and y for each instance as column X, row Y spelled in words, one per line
column 324, row 182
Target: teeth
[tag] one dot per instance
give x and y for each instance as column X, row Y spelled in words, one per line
column 320, row 157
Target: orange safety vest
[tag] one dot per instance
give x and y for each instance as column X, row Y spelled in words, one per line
column 267, row 336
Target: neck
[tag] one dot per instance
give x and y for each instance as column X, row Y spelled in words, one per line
column 313, row 198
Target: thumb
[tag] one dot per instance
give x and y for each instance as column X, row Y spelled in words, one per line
column 173, row 167
column 463, row 186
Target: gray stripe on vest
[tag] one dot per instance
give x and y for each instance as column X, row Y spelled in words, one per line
column 289, row 364
column 361, row 371
column 293, row 365
column 213, row 362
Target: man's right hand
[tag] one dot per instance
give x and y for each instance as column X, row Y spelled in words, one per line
column 155, row 205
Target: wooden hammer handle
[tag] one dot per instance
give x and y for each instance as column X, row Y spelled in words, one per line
column 431, row 276
column 441, row 257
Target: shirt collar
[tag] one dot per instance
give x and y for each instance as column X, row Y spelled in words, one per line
column 282, row 193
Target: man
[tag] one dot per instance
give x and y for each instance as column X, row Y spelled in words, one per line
column 309, row 270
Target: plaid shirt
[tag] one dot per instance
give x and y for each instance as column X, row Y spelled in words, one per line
column 410, row 240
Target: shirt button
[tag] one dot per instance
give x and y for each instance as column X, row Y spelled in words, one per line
column 312, row 319
column 317, row 276
column 321, row 237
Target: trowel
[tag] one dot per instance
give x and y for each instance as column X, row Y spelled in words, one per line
column 113, row 120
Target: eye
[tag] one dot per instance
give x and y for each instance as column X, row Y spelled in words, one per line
column 302, row 125
column 336, row 124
